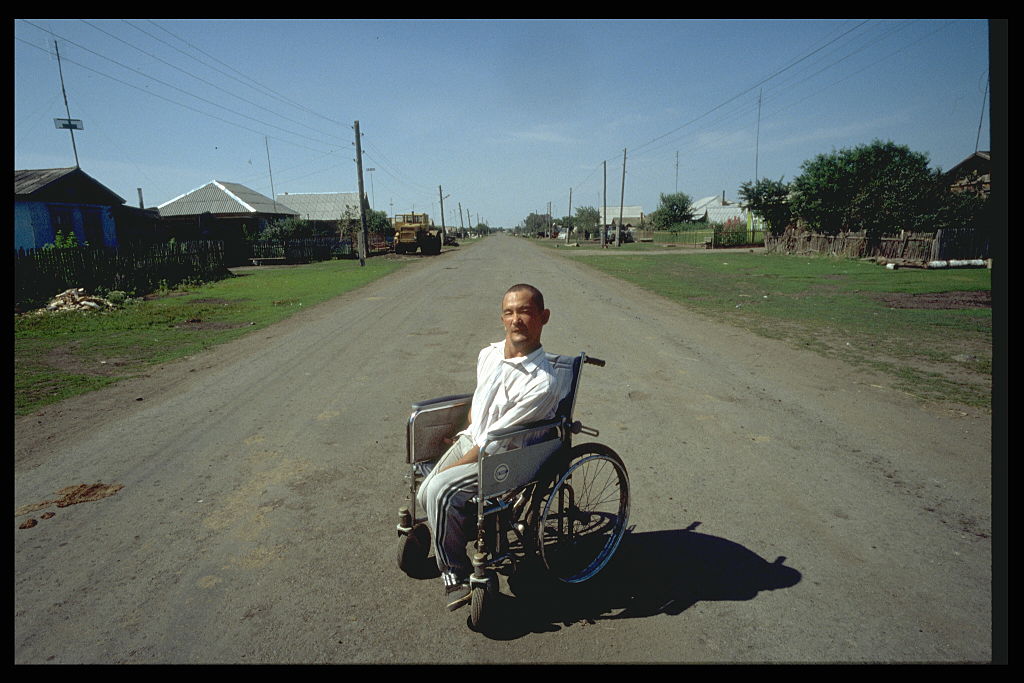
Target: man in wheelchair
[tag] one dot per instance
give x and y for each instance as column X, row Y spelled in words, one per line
column 515, row 385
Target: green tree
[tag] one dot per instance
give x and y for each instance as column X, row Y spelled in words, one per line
column 673, row 209
column 536, row 223
column 587, row 218
column 880, row 188
column 769, row 199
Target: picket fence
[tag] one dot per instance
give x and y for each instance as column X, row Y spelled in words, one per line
column 943, row 244
column 40, row 274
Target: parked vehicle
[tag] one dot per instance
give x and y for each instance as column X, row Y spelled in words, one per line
column 415, row 231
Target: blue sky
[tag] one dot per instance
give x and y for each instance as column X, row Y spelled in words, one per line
column 504, row 115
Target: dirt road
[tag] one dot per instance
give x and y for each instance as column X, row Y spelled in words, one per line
column 785, row 508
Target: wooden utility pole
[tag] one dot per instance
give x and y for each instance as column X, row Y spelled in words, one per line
column 462, row 224
column 362, row 204
column 622, row 200
column 443, row 230
column 567, row 229
column 71, row 128
column 604, row 211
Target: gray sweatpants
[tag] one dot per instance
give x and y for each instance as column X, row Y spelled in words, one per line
column 445, row 497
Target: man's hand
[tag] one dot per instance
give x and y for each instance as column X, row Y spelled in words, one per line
column 472, row 455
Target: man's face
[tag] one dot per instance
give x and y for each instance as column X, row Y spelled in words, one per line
column 523, row 320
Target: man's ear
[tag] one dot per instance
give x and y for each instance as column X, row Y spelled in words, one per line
column 545, row 316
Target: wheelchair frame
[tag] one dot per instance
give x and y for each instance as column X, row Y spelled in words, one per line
column 532, row 500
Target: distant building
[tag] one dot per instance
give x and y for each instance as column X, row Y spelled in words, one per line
column 68, row 200
column 631, row 215
column 222, row 211
column 717, row 209
column 336, row 210
column 973, row 174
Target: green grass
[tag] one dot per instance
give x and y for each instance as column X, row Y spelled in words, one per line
column 838, row 308
column 58, row 355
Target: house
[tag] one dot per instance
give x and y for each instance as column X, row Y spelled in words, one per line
column 221, row 210
column 336, row 210
column 973, row 174
column 717, row 209
column 631, row 215
column 68, row 200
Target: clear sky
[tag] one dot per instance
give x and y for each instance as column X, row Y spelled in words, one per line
column 505, row 115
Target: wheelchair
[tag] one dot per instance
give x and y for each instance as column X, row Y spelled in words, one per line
column 561, row 507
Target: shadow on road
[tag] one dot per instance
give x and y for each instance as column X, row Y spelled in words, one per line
column 659, row 572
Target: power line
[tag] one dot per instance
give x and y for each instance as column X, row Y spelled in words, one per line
column 173, row 87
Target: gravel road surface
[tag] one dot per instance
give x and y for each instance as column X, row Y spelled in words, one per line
column 785, row 507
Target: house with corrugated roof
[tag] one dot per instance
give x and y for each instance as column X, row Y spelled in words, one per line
column 717, row 209
column 336, row 210
column 221, row 211
column 68, row 200
column 631, row 215
column 224, row 201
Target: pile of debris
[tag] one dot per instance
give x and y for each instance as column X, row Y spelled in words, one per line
column 77, row 300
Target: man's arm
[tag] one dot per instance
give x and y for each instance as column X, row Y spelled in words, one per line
column 472, row 455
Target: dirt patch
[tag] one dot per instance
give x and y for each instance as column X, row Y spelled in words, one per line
column 67, row 358
column 938, row 300
column 67, row 496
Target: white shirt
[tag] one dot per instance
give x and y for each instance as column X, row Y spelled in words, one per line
column 510, row 392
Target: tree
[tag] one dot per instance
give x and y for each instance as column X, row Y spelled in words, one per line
column 673, row 209
column 769, row 199
column 587, row 218
column 880, row 188
column 536, row 224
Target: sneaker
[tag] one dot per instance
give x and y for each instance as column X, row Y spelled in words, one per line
column 456, row 592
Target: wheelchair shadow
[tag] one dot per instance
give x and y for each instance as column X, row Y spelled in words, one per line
column 659, row 572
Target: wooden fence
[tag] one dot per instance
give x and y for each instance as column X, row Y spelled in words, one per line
column 40, row 274
column 944, row 244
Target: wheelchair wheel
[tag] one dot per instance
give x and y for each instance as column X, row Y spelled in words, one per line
column 413, row 549
column 581, row 516
column 482, row 605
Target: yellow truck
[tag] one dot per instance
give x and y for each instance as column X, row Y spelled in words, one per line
column 415, row 231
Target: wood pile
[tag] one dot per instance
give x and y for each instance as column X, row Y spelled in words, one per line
column 77, row 300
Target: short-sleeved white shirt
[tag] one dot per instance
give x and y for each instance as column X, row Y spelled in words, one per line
column 510, row 392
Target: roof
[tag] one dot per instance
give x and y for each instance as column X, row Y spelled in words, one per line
column 220, row 197
column 72, row 185
column 628, row 213
column 721, row 214
column 978, row 160
column 707, row 202
column 322, row 206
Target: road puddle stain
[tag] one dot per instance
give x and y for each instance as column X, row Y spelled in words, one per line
column 67, row 496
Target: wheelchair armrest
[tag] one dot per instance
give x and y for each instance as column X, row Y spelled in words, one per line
column 517, row 430
column 437, row 402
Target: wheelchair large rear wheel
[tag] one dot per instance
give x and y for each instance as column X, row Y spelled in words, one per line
column 581, row 515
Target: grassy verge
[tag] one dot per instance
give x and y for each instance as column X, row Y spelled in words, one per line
column 59, row 355
column 930, row 330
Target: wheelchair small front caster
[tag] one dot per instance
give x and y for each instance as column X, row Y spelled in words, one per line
column 413, row 549
column 484, row 599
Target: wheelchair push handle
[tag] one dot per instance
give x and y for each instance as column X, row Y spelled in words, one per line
column 594, row 361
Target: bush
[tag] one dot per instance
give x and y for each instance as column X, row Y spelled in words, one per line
column 732, row 233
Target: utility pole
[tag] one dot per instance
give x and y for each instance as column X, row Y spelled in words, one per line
column 270, row 170
column 677, row 171
column 443, row 230
column 567, row 229
column 462, row 225
column 66, row 107
column 622, row 200
column 362, row 204
column 757, row 138
column 604, row 210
